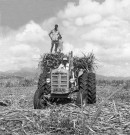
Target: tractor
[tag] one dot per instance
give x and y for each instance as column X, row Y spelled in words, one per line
column 57, row 84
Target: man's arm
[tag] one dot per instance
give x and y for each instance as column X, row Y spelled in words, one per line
column 50, row 34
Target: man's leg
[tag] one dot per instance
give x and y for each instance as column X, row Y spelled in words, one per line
column 52, row 45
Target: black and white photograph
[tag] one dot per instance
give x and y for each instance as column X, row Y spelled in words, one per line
column 64, row 67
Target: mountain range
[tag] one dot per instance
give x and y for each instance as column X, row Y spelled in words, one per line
column 34, row 73
column 23, row 73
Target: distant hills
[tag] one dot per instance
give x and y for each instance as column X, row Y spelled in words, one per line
column 34, row 73
column 23, row 73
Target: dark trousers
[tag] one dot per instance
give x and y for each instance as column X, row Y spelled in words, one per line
column 56, row 45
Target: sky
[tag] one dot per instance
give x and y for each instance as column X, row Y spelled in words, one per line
column 98, row 26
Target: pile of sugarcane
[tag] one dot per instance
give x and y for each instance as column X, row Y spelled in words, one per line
column 86, row 62
column 49, row 60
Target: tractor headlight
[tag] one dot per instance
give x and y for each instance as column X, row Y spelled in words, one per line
column 72, row 80
column 48, row 80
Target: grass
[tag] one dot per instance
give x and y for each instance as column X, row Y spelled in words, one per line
column 110, row 118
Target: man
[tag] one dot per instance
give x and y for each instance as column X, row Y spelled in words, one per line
column 64, row 64
column 54, row 36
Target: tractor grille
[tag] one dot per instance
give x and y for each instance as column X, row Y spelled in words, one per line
column 59, row 82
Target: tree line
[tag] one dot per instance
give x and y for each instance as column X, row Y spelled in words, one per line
column 113, row 82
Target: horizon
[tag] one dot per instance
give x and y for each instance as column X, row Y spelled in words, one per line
column 29, row 71
column 98, row 26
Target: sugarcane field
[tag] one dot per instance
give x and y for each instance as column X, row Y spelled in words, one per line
column 107, row 113
column 64, row 67
column 110, row 114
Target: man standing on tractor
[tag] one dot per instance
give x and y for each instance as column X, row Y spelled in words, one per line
column 54, row 36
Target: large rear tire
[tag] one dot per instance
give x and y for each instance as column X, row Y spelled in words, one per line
column 91, row 88
column 42, row 79
column 40, row 101
column 87, row 88
column 82, row 86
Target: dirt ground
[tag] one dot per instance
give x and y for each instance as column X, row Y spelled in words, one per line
column 19, row 118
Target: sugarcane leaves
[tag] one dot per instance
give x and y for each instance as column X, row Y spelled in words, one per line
column 86, row 62
column 89, row 61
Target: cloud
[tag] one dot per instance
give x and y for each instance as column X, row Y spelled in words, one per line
column 20, row 48
column 23, row 50
column 90, row 7
column 31, row 32
column 90, row 19
column 103, row 28
column 90, row 26
column 18, row 56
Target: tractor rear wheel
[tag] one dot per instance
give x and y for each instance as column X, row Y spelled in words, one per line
column 87, row 89
column 40, row 101
column 91, row 88
column 82, row 86
column 42, row 79
column 40, row 98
